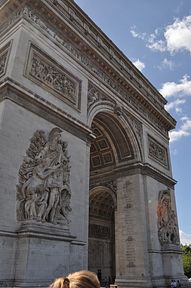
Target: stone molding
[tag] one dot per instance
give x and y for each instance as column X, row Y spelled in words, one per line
column 157, row 152
column 132, row 169
column 75, row 47
column 4, row 57
column 15, row 92
column 91, row 32
column 110, row 183
column 43, row 70
column 70, row 12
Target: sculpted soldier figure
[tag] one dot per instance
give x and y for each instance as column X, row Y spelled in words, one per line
column 46, row 192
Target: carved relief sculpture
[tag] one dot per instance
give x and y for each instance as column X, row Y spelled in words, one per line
column 167, row 222
column 43, row 70
column 157, row 152
column 43, row 192
column 95, row 95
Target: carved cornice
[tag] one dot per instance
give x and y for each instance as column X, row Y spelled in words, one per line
column 122, row 81
column 134, row 169
column 15, row 92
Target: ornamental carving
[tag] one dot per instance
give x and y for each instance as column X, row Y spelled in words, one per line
column 3, row 59
column 43, row 192
column 157, row 152
column 95, row 95
column 80, row 55
column 43, row 70
column 167, row 222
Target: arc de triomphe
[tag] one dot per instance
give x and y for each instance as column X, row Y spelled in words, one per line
column 86, row 179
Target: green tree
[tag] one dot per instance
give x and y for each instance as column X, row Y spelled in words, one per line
column 186, row 256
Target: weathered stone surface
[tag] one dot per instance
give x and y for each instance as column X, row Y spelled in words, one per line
column 83, row 147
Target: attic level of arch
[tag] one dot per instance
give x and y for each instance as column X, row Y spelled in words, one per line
column 122, row 80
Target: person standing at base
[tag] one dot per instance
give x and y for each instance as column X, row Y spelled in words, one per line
column 81, row 279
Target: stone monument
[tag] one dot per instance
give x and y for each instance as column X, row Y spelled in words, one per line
column 86, row 180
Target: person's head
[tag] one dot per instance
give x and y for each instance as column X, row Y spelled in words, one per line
column 81, row 279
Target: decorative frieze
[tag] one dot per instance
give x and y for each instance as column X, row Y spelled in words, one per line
column 43, row 192
column 107, row 49
column 70, row 43
column 167, row 222
column 47, row 73
column 4, row 53
column 157, row 152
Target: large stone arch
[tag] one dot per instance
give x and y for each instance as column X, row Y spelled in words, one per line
column 117, row 141
column 130, row 130
column 64, row 86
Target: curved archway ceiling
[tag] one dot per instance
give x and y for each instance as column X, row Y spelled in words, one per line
column 101, row 205
column 112, row 142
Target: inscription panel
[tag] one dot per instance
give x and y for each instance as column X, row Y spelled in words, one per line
column 45, row 72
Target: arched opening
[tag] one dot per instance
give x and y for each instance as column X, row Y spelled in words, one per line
column 101, row 254
column 110, row 148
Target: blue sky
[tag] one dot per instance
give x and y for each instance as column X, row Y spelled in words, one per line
column 156, row 37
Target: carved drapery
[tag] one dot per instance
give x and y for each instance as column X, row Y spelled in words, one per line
column 157, row 152
column 43, row 192
column 44, row 71
column 167, row 222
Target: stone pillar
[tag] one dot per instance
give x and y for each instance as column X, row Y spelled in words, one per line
column 164, row 244
column 37, row 246
column 132, row 263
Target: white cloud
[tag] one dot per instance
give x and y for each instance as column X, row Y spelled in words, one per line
column 185, row 238
column 184, row 118
column 136, row 34
column 167, row 64
column 154, row 44
column 172, row 89
column 175, row 105
column 185, row 130
column 139, row 64
column 178, row 35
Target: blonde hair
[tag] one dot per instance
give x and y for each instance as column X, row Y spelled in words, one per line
column 81, row 279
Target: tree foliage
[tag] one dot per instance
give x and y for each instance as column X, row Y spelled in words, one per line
column 186, row 249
